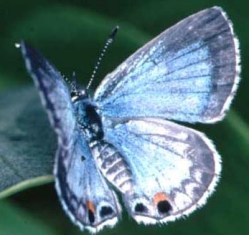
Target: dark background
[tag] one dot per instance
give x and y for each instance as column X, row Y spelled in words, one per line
column 71, row 34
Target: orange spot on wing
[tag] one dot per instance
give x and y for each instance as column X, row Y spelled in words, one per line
column 90, row 206
column 158, row 197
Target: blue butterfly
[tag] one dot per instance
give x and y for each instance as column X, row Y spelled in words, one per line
column 122, row 136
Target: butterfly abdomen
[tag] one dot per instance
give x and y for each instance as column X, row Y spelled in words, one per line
column 112, row 164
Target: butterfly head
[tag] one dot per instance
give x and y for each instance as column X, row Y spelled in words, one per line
column 76, row 92
column 78, row 95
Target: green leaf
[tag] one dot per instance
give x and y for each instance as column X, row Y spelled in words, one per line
column 27, row 143
column 15, row 221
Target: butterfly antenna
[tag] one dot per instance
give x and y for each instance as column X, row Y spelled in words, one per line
column 73, row 82
column 109, row 41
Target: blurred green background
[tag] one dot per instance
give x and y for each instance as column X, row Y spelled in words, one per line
column 71, row 34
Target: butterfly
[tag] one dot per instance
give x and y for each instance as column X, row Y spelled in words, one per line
column 123, row 138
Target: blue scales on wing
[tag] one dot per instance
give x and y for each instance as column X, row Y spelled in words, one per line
column 174, row 168
column 54, row 94
column 85, row 195
column 188, row 73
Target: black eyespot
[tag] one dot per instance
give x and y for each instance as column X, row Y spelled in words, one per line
column 164, row 207
column 91, row 216
column 83, row 158
column 106, row 210
column 140, row 207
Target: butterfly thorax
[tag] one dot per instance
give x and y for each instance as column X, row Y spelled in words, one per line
column 88, row 119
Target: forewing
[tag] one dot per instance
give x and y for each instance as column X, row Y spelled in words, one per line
column 173, row 168
column 188, row 73
column 53, row 91
column 83, row 191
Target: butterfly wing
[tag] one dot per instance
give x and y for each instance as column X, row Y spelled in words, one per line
column 82, row 190
column 173, row 168
column 188, row 73
column 53, row 92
